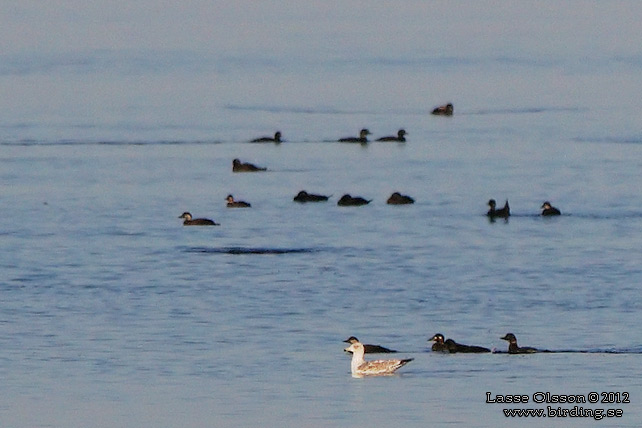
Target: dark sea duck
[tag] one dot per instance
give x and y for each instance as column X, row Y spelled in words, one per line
column 360, row 367
column 370, row 349
column 238, row 166
column 549, row 210
column 445, row 110
column 514, row 349
column 494, row 212
column 362, row 138
column 399, row 199
column 189, row 221
column 304, row 196
column 349, row 201
column 231, row 203
column 400, row 137
column 275, row 139
column 450, row 346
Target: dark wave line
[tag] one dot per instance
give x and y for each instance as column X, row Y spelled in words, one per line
column 322, row 110
column 598, row 351
column 581, row 351
column 610, row 216
column 249, row 250
column 31, row 143
column 330, row 110
column 609, row 140
column 588, row 216
column 292, row 109
column 523, row 110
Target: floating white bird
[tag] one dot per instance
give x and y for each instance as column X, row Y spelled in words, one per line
column 361, row 367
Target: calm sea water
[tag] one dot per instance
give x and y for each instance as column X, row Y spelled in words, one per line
column 112, row 314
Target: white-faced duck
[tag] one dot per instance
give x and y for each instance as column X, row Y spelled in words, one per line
column 370, row 349
column 399, row 199
column 362, row 138
column 231, row 203
column 275, row 139
column 238, row 166
column 445, row 110
column 400, row 137
column 494, row 212
column 348, row 201
column 548, row 209
column 304, row 197
column 189, row 221
column 450, row 346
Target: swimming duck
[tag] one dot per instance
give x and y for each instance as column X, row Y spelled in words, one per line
column 370, row 349
column 348, row 201
column 231, row 203
column 548, row 209
column 445, row 110
column 360, row 367
column 399, row 199
column 188, row 221
column 400, row 137
column 238, row 166
column 439, row 345
column 361, row 139
column 276, row 139
column 304, row 196
column 514, row 349
column 503, row 212
column 452, row 347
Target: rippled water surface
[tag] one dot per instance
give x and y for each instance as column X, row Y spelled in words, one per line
column 114, row 314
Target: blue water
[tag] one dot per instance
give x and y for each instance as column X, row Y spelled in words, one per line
column 112, row 314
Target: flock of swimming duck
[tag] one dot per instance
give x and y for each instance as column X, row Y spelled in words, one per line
column 348, row 200
column 302, row 197
column 444, row 110
column 360, row 367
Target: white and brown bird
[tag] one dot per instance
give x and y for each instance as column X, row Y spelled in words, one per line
column 360, row 367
